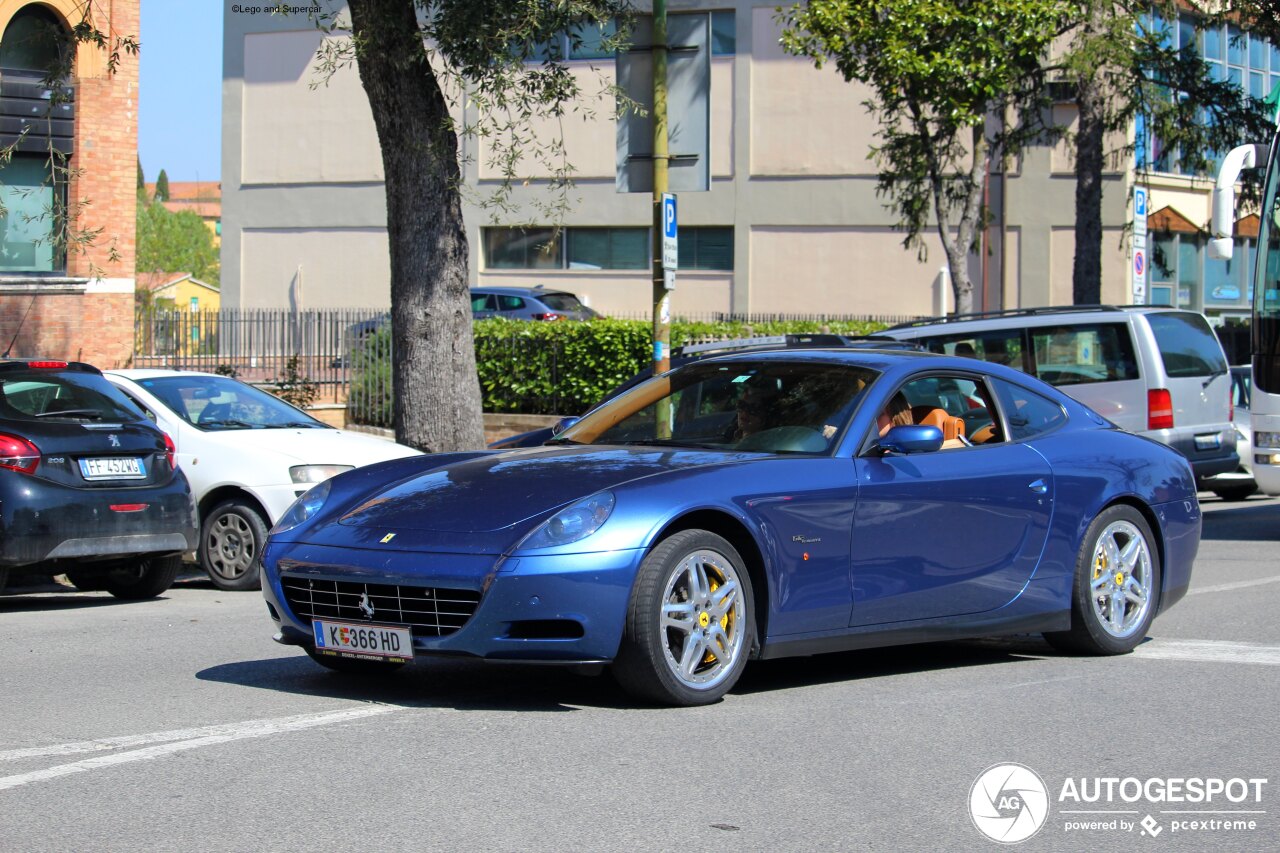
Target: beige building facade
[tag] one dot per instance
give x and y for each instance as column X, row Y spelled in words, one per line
column 791, row 223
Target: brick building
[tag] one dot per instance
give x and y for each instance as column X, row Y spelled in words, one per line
column 72, row 303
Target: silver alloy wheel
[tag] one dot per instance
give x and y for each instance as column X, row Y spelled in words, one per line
column 703, row 621
column 1120, row 585
column 232, row 548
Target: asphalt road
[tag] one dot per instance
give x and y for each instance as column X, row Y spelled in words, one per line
column 176, row 724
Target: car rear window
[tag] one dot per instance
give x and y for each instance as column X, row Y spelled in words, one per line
column 47, row 395
column 1082, row 354
column 562, row 302
column 1187, row 344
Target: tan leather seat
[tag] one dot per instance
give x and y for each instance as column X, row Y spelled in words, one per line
column 952, row 428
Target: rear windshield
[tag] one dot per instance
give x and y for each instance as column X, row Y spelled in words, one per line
column 562, row 302
column 1187, row 345
column 49, row 395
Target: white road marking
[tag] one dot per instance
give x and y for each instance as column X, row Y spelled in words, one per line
column 182, row 739
column 1209, row 651
column 1227, row 587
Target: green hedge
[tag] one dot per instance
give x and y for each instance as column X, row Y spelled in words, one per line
column 560, row 368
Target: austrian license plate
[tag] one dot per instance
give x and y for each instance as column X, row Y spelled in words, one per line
column 348, row 639
column 1208, row 442
column 113, row 468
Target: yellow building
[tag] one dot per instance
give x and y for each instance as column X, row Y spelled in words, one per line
column 181, row 291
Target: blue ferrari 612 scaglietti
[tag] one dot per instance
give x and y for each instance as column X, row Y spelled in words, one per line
column 764, row 504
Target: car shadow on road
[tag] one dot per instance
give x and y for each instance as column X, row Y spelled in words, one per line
column 432, row 682
column 468, row 685
column 889, row 661
column 1245, row 521
column 38, row 600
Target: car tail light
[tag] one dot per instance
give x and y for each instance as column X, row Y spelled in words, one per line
column 169, row 450
column 547, row 316
column 47, row 365
column 128, row 507
column 1231, row 405
column 1159, row 409
column 18, row 454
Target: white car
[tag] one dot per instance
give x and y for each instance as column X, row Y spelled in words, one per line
column 1239, row 484
column 248, row 456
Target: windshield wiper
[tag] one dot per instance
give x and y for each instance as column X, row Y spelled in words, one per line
column 236, row 424
column 669, row 442
column 294, row 425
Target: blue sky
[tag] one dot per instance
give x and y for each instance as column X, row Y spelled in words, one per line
column 180, row 93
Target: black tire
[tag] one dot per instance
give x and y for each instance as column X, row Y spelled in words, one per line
column 4, row 577
column 146, row 579
column 1105, row 577
column 647, row 666
column 353, row 666
column 1238, row 492
column 232, row 536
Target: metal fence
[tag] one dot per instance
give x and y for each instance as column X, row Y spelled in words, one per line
column 256, row 344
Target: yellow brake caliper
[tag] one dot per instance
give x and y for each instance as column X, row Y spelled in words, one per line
column 724, row 623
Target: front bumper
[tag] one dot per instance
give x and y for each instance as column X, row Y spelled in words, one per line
column 555, row 609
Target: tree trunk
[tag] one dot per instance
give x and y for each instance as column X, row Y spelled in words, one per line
column 957, row 246
column 1086, row 274
column 437, row 390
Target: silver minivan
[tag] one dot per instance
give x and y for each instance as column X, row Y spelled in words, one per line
column 1160, row 372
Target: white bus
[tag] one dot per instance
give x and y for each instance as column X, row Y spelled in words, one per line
column 1265, row 333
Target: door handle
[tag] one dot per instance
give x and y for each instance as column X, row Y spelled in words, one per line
column 1038, row 486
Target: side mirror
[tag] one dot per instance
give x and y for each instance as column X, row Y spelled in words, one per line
column 563, row 424
column 911, row 439
column 1224, row 196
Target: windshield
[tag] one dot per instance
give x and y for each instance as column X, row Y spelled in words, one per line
column 219, row 402
column 760, row 405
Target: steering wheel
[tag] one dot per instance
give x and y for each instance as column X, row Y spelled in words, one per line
column 215, row 412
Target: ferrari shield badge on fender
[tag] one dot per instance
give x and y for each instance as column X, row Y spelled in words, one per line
column 387, row 538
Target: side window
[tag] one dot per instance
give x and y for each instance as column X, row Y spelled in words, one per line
column 482, row 302
column 510, row 303
column 957, row 405
column 1002, row 346
column 1187, row 345
column 151, row 416
column 1085, row 353
column 1027, row 413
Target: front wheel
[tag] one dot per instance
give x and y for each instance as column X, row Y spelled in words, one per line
column 690, row 622
column 145, row 579
column 231, row 542
column 1117, row 585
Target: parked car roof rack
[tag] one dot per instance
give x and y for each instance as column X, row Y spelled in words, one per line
column 1012, row 312
column 761, row 341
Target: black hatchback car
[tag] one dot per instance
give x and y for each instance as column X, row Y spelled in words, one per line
column 88, row 486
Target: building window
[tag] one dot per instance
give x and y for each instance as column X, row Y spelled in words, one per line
column 27, row 214
column 607, row 248
column 35, row 40
column 1250, row 63
column 724, row 35
column 589, row 41
column 706, row 248
column 569, row 248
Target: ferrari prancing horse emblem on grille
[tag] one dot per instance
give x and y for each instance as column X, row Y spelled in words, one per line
column 366, row 606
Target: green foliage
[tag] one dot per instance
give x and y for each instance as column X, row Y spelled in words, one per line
column 937, row 70
column 369, row 397
column 162, row 186
column 175, row 242
column 226, row 370
column 293, row 386
column 557, row 368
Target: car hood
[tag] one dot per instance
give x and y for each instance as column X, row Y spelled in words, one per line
column 496, row 491
column 313, row 446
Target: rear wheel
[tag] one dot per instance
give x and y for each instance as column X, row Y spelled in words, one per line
column 1236, row 492
column 4, row 577
column 353, row 666
column 231, row 542
column 145, row 579
column 690, row 623
column 1117, row 585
